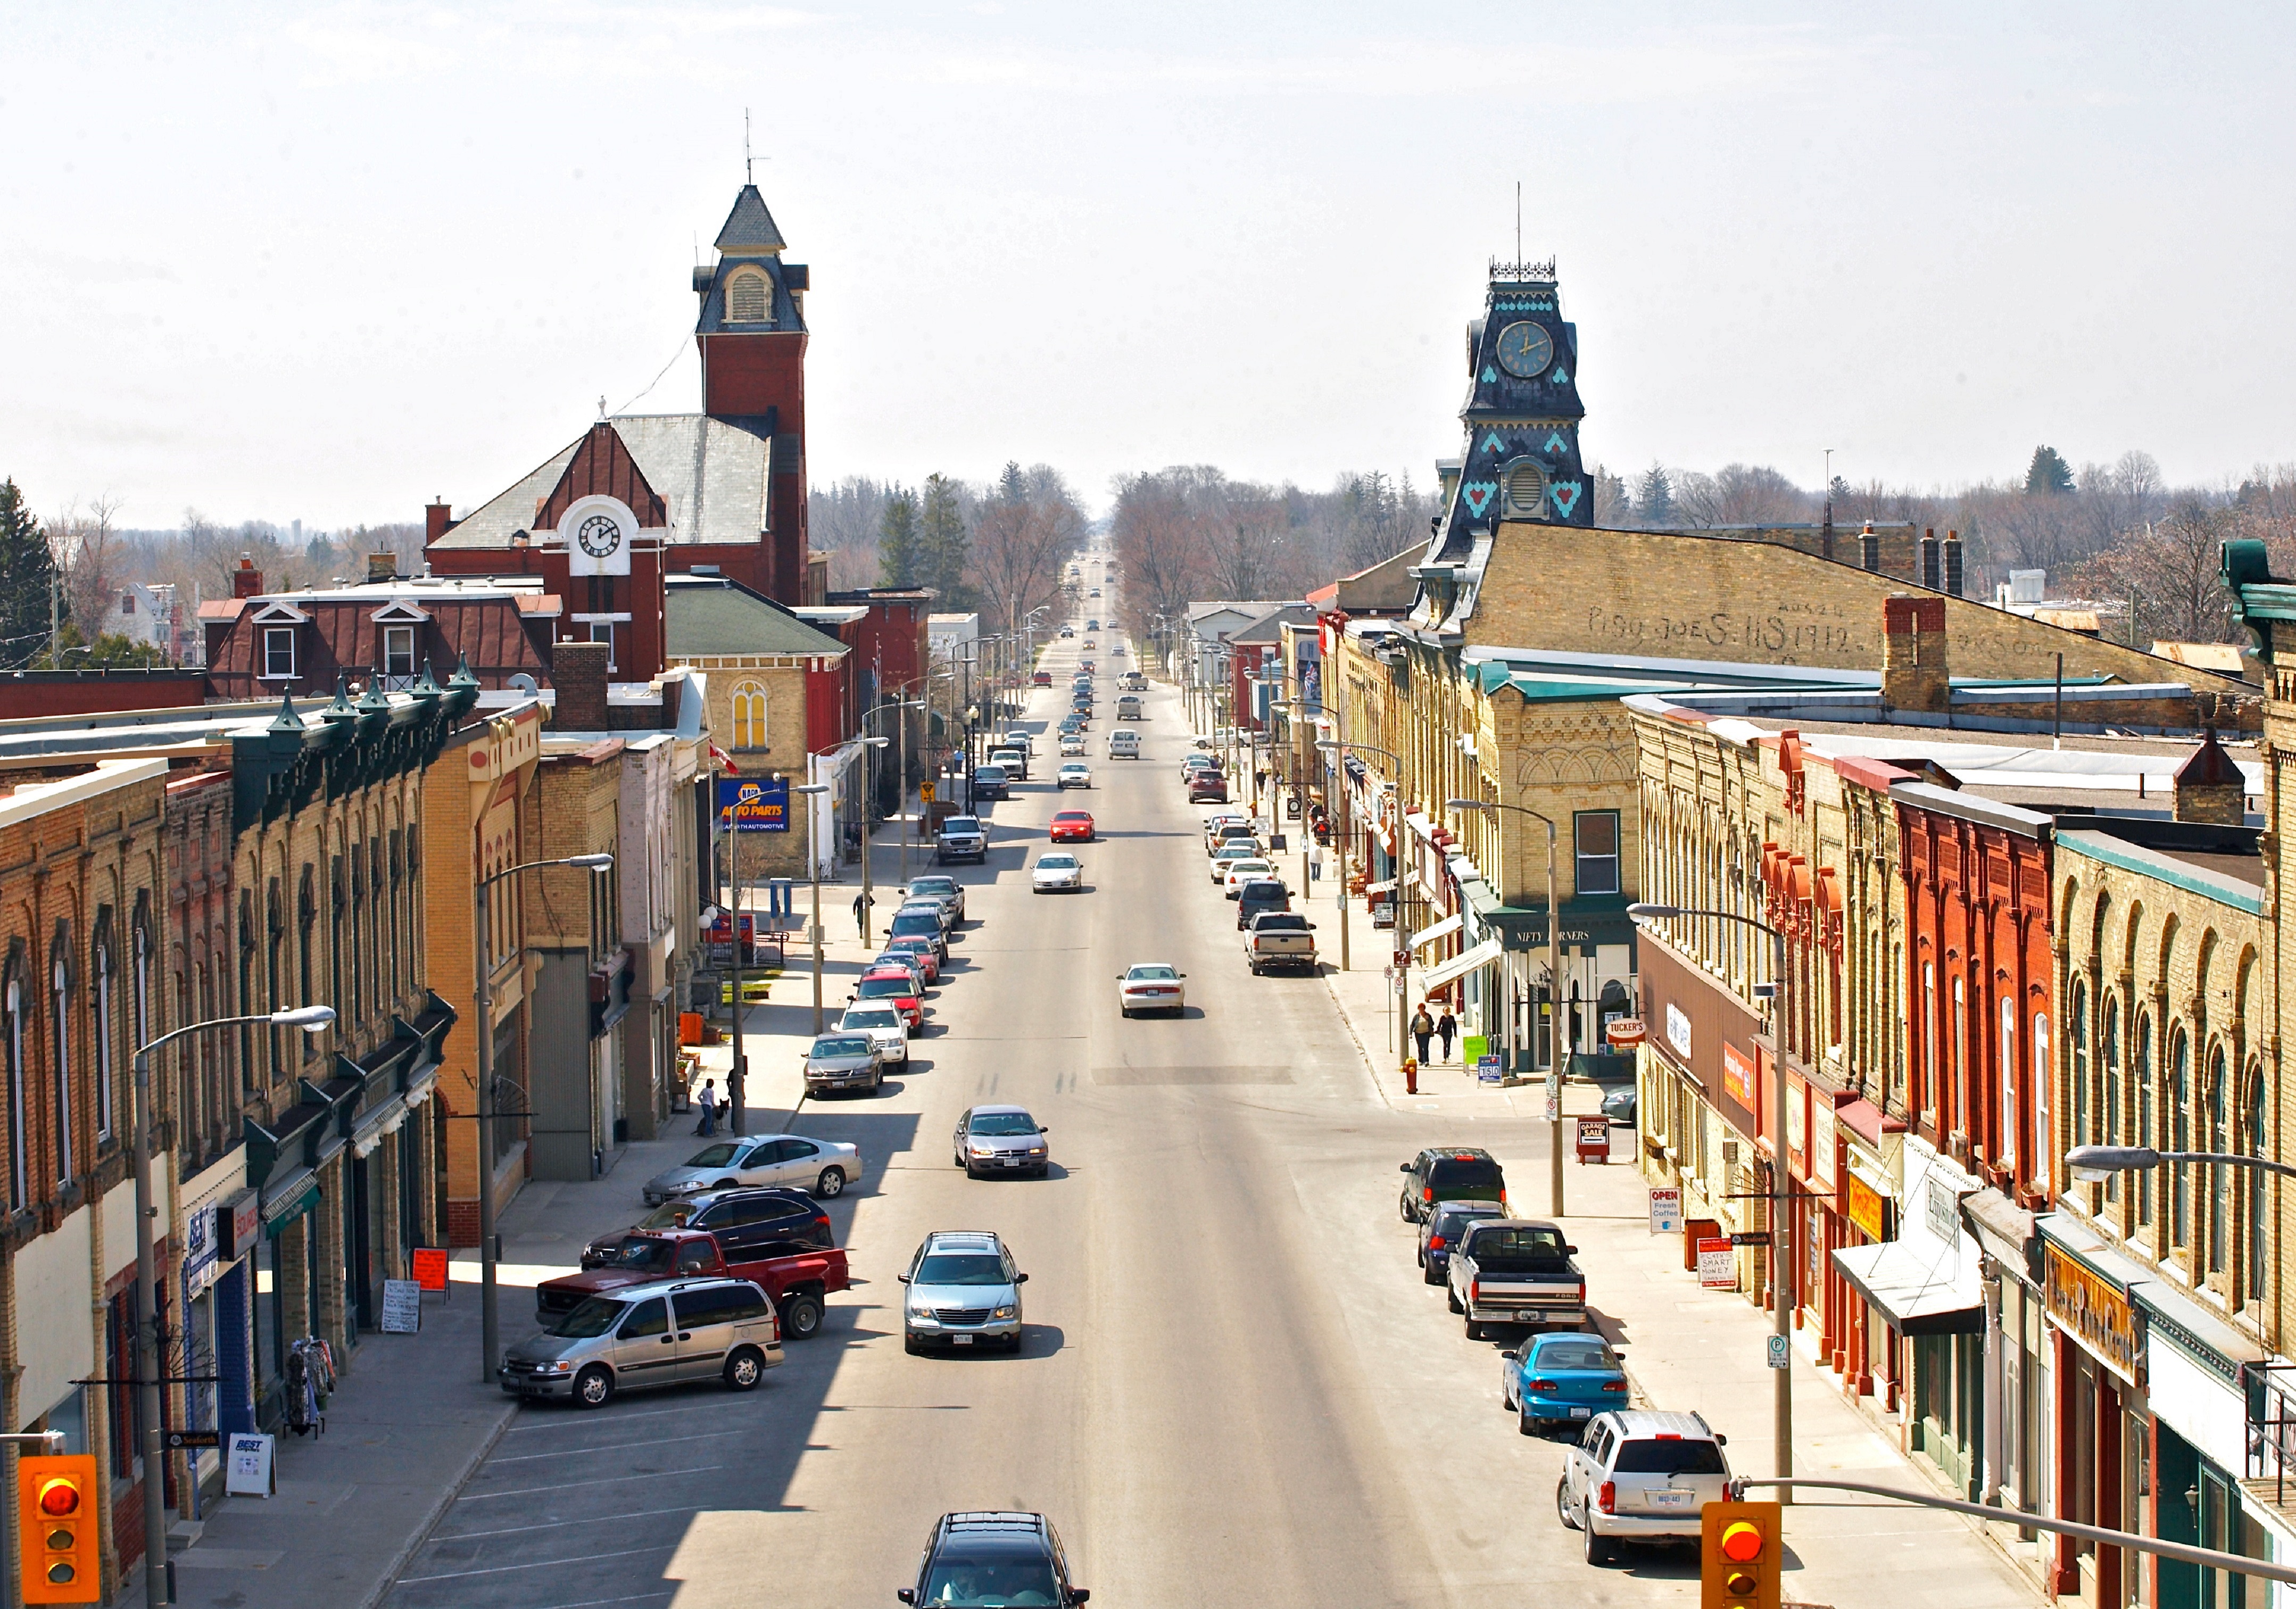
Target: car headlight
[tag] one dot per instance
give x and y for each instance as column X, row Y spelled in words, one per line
column 1009, row 1310
column 983, row 1150
column 557, row 1366
column 1036, row 1151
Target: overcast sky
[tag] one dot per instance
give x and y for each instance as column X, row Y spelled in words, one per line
column 327, row 261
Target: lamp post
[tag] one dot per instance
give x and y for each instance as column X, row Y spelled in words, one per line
column 482, row 999
column 813, row 870
column 310, row 1019
column 1554, row 1000
column 1781, row 1194
column 868, row 838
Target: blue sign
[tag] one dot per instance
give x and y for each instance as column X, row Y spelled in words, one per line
column 759, row 804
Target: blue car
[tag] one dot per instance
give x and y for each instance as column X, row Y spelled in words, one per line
column 1445, row 1226
column 1559, row 1378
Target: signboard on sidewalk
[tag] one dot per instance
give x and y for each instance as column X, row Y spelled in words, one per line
column 1717, row 1265
column 247, row 1469
column 1489, row 1071
column 430, row 1268
column 1595, row 1139
column 402, row 1307
column 1666, row 1209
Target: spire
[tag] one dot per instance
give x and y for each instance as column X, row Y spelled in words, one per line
column 749, row 230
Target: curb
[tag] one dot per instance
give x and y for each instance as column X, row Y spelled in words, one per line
column 452, row 1490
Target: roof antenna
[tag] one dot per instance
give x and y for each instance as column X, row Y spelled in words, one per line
column 749, row 164
column 1518, row 220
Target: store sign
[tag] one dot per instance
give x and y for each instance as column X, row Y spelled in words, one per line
column 2096, row 1311
column 1677, row 1029
column 1864, row 1205
column 1822, row 1142
column 753, row 804
column 1665, row 1209
column 1738, row 1076
column 1941, row 1207
column 243, row 1214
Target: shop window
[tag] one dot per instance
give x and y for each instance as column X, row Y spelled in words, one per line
column 1595, row 834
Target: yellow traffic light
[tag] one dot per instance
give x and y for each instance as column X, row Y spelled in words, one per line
column 56, row 1525
column 1740, row 1555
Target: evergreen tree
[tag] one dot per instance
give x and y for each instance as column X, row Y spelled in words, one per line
column 896, row 540
column 1654, row 498
column 27, row 570
column 943, row 544
column 1012, row 486
column 2049, row 473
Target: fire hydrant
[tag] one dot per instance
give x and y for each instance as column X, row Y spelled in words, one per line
column 1410, row 1075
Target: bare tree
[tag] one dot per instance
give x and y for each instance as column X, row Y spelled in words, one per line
column 83, row 541
column 1024, row 529
column 2169, row 572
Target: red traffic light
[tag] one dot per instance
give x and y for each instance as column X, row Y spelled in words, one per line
column 1741, row 1557
column 1742, row 1542
column 59, row 1560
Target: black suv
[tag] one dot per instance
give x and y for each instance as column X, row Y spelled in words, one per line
column 751, row 1224
column 1448, row 1173
column 982, row 1559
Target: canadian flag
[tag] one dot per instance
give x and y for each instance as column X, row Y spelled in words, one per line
column 724, row 761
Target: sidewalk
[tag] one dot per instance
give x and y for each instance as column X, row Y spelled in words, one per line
column 1689, row 1347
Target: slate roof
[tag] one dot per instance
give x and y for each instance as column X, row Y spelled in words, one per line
column 714, row 474
column 705, row 617
column 750, row 228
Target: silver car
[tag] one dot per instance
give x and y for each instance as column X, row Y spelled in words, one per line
column 1057, row 873
column 1001, row 1139
column 965, row 1292
column 647, row 1335
column 844, row 1060
column 948, row 890
column 759, row 1158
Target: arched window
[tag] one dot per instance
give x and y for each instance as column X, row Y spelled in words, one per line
column 2140, row 1049
column 1526, row 491
column 19, row 1149
column 60, row 1042
column 2257, row 1198
column 2080, row 1117
column 2180, row 1132
column 750, row 716
column 748, row 297
column 2108, row 1057
column 2220, row 1176
column 2043, row 1163
column 106, row 1026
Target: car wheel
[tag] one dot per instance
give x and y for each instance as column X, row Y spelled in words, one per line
column 831, row 1184
column 744, row 1369
column 1598, row 1548
column 726, row 1184
column 1452, row 1297
column 1524, row 1422
column 1403, row 1208
column 1475, row 1330
column 1562, row 1504
column 1434, row 1275
column 801, row 1316
column 594, row 1387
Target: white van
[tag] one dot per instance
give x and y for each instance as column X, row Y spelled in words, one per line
column 1127, row 708
column 1124, row 745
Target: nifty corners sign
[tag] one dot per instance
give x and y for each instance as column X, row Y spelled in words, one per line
column 753, row 804
column 2096, row 1311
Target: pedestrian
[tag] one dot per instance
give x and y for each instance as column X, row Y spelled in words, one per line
column 707, row 1102
column 1446, row 1029
column 1423, row 1029
column 861, row 904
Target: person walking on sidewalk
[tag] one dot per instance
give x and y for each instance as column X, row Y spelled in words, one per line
column 1423, row 1029
column 707, row 1102
column 861, row 904
column 1446, row 1029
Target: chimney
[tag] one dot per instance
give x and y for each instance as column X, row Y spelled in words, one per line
column 1912, row 654
column 382, row 567
column 1953, row 562
column 578, row 671
column 1929, row 578
column 1869, row 548
column 246, row 581
column 2209, row 787
column 438, row 519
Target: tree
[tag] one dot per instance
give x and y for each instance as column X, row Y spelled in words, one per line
column 27, row 570
column 111, row 649
column 1613, row 506
column 2048, row 474
column 896, row 540
column 2169, row 573
column 944, row 546
column 82, row 541
column 1654, row 498
column 1020, row 537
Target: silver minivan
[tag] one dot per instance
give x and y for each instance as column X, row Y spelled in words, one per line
column 1124, row 745
column 663, row 1333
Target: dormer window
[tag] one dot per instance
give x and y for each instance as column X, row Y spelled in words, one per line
column 279, row 652
column 399, row 651
column 748, row 297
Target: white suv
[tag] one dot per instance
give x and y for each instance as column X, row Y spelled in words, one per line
column 1641, row 1476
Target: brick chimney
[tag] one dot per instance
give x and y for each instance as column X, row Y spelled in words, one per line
column 382, row 567
column 438, row 518
column 1869, row 548
column 2209, row 787
column 1931, row 578
column 1953, row 562
column 246, row 581
column 1913, row 674
column 578, row 671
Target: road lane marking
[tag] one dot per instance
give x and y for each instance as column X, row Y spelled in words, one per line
column 511, row 1531
column 527, row 1491
column 615, row 1447
column 587, row 1558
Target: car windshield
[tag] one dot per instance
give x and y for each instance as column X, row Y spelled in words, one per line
column 1669, row 1457
column 870, row 1019
column 1057, row 863
column 934, row 885
column 712, row 1156
column 1003, row 1576
column 1001, row 1122
column 916, row 922
column 593, row 1317
column 961, row 823
column 961, row 1268
column 840, row 1047
column 638, row 1253
column 1249, row 866
column 1152, row 973
column 1576, row 1354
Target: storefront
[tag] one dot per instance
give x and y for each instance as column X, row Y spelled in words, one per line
column 2104, row 1430
column 2017, row 1377
column 1697, row 1103
column 219, row 1212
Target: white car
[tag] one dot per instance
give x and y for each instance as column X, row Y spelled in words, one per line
column 1152, row 985
column 883, row 1025
column 1071, row 742
column 1241, row 872
column 1076, row 773
column 1640, row 1476
column 1057, row 873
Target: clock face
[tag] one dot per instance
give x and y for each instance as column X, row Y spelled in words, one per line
column 1525, row 349
column 599, row 535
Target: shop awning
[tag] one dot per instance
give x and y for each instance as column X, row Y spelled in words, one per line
column 1462, row 963
column 1387, row 887
column 1923, row 1293
column 1442, row 930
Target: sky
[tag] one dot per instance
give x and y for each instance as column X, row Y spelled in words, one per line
column 329, row 261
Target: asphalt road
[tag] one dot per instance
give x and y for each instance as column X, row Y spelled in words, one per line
column 1234, row 1388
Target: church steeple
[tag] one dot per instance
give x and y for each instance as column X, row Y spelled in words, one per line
column 750, row 228
column 1523, row 412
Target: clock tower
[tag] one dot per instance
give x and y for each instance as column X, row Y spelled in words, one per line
column 1523, row 412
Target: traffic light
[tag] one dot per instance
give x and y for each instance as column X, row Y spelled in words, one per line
column 1740, row 1554
column 56, row 1528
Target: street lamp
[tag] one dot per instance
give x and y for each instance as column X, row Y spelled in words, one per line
column 2092, row 1165
column 482, row 1001
column 1553, row 998
column 1781, row 1198
column 310, row 1019
column 813, row 870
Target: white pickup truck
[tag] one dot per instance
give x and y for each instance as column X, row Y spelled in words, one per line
column 1516, row 1270
column 1280, row 939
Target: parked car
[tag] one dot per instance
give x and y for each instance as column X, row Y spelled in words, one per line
column 1449, row 1173
column 1639, row 1476
column 1071, row 827
column 892, row 991
column 964, row 1289
column 1196, row 760
column 948, row 890
column 1017, row 1555
column 1015, row 762
column 888, row 1029
column 1515, row 1270
column 961, row 838
column 722, row 1328
column 920, row 949
column 1216, row 827
column 1440, row 1230
column 1152, row 985
column 1207, row 787
column 991, row 783
column 755, row 1160
column 749, row 1223
column 1619, row 1105
column 1235, row 852
column 1076, row 773
column 844, row 1060
column 920, row 924
column 1001, row 1139
column 1559, row 1377
column 1249, row 868
column 1056, row 874
column 921, row 964
column 789, row 1275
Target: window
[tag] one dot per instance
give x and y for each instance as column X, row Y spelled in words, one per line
column 1925, row 1099
column 602, row 631
column 20, row 1153
column 60, row 1000
column 2109, row 1044
column 2045, row 1134
column 127, row 603
column 1526, row 491
column 279, row 651
column 648, row 1318
column 748, row 297
column 750, row 716
column 2258, row 1204
column 2220, row 1176
column 2083, row 1123
column 2180, row 1132
column 2141, row 1052
column 106, row 1024
column 399, row 651
column 2008, row 1067
column 1596, row 834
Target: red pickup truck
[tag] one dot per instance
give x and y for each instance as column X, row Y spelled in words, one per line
column 796, row 1282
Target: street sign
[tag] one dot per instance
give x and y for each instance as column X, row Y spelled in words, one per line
column 1554, row 1108
column 1774, row 1352
column 178, row 1439
column 1666, row 1209
column 1750, row 1237
column 925, row 793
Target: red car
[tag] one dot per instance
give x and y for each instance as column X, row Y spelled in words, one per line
column 922, row 949
column 1043, row 679
column 1072, row 826
column 893, row 987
